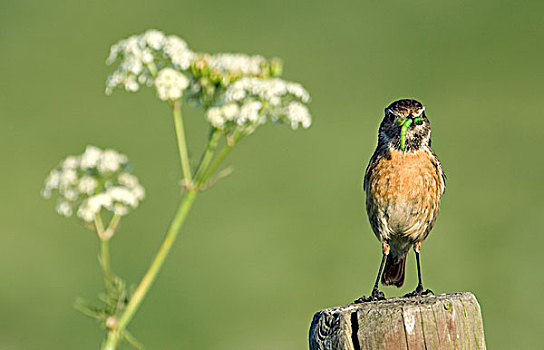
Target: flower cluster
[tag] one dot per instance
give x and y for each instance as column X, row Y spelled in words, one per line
column 143, row 56
column 235, row 65
column 250, row 101
column 234, row 89
column 170, row 84
column 273, row 90
column 213, row 74
column 96, row 180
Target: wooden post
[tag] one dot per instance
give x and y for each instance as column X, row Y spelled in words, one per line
column 445, row 321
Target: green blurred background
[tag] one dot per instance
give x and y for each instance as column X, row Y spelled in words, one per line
column 286, row 234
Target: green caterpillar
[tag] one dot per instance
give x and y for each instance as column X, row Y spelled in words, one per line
column 405, row 123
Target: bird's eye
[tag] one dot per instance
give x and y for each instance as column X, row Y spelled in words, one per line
column 390, row 115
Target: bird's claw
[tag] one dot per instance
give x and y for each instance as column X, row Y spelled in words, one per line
column 419, row 292
column 375, row 296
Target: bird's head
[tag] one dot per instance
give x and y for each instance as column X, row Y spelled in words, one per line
column 405, row 126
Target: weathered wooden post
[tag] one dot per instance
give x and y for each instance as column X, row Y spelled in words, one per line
column 445, row 321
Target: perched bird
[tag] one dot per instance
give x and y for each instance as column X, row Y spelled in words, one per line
column 403, row 183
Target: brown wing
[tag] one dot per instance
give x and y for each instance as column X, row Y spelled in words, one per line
column 440, row 180
column 372, row 206
column 379, row 153
column 438, row 166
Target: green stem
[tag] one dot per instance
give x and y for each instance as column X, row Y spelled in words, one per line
column 115, row 333
column 182, row 144
column 220, row 157
column 180, row 133
column 224, row 152
column 205, row 169
column 105, row 260
column 112, row 226
column 133, row 341
column 104, row 249
column 152, row 69
column 99, row 225
column 213, row 140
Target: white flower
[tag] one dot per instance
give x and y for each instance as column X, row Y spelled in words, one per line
column 135, row 65
column 131, row 84
column 70, row 162
column 170, row 84
column 219, row 116
column 230, row 111
column 87, row 184
column 178, row 52
column 94, row 181
column 154, row 39
column 64, row 208
column 271, row 90
column 68, row 177
column 120, row 209
column 53, row 180
column 215, row 117
column 235, row 89
column 123, row 195
column 297, row 113
column 250, row 101
column 71, row 194
column 249, row 113
column 92, row 206
column 90, row 158
column 87, row 215
column 111, row 161
column 139, row 192
column 128, row 180
column 228, row 62
column 101, row 200
column 140, row 55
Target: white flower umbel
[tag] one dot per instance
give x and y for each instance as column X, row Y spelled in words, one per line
column 213, row 74
column 271, row 90
column 142, row 56
column 238, row 63
column 250, row 102
column 170, row 84
column 141, row 59
column 94, row 181
column 298, row 114
column 178, row 52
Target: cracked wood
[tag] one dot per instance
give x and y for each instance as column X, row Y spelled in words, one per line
column 443, row 322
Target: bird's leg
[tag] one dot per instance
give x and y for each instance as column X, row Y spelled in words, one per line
column 419, row 289
column 376, row 294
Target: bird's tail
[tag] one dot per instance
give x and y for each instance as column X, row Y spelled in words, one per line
column 393, row 273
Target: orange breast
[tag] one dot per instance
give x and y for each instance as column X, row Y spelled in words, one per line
column 405, row 176
column 403, row 194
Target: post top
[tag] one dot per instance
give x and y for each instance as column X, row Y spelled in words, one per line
column 401, row 301
column 444, row 321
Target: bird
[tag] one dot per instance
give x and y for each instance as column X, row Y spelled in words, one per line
column 404, row 183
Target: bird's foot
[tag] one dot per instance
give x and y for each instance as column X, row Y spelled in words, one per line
column 419, row 292
column 375, row 296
